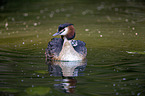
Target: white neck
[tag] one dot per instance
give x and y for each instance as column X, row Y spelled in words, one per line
column 65, row 32
column 68, row 53
column 66, row 40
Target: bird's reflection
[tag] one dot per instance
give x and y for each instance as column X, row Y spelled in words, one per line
column 68, row 71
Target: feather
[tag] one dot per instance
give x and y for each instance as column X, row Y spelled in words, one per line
column 55, row 47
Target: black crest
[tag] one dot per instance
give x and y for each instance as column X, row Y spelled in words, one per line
column 62, row 26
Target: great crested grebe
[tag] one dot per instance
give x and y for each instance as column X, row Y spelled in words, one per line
column 64, row 48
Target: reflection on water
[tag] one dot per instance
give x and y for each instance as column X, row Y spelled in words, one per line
column 68, row 71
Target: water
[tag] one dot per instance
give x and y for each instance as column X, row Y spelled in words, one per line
column 112, row 30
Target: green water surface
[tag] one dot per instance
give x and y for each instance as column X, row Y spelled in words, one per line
column 114, row 33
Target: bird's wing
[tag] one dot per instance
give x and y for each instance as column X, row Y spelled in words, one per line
column 80, row 47
column 54, row 47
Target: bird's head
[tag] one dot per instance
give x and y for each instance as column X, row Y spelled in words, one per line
column 66, row 30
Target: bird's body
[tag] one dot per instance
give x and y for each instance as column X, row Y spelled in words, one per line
column 66, row 49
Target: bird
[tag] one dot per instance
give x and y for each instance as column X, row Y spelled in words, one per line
column 65, row 48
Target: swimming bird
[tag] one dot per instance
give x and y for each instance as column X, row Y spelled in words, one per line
column 65, row 48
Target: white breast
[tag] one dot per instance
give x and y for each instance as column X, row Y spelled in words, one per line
column 68, row 53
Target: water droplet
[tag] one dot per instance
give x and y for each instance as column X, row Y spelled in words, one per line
column 32, row 85
column 67, row 15
column 38, row 17
column 25, row 14
column 133, row 28
column 41, row 11
column 51, row 15
column 57, row 11
column 24, row 23
column 117, row 93
column 13, row 19
column 119, row 18
column 126, row 20
column 35, row 24
column 26, row 26
column 100, row 7
column 136, row 33
column 6, row 25
column 9, row 33
column 99, row 31
column 84, row 13
column 37, row 36
column 39, row 23
column 86, row 29
column 138, row 94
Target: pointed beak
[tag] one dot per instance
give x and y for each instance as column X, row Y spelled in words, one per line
column 57, row 33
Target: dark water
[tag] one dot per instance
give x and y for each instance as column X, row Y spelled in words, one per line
column 114, row 34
